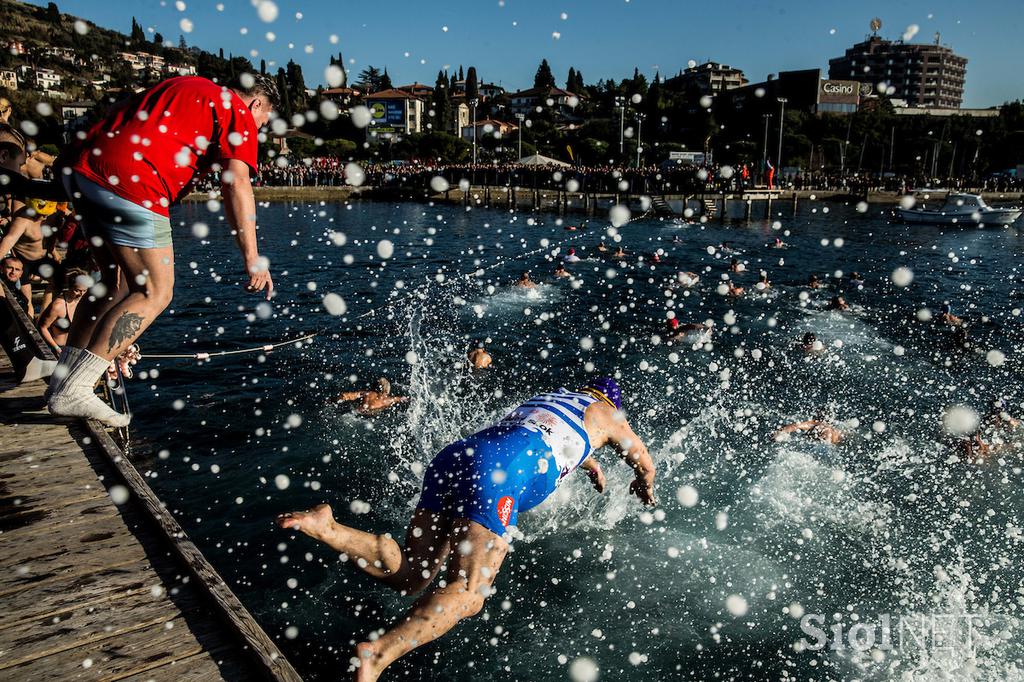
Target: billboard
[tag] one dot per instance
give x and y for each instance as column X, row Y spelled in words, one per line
column 388, row 115
column 838, row 92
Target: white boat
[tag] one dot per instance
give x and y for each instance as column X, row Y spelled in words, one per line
column 960, row 209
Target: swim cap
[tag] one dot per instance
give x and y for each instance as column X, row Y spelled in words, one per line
column 42, row 206
column 606, row 389
column 673, row 323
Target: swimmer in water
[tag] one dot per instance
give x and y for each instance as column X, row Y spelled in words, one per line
column 856, row 281
column 688, row 279
column 779, row 244
column 818, row 429
column 838, row 303
column 814, row 283
column 763, row 283
column 619, row 253
column 525, row 282
column 560, row 271
column 654, row 258
column 810, row 345
column 372, row 402
column 473, row 490
column 478, row 356
column 725, row 248
column 734, row 289
column 736, row 266
column 571, row 257
column 677, row 330
column 974, row 447
column 948, row 318
column 602, row 248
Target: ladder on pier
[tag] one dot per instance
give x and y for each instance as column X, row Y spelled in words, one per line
column 710, row 207
column 660, row 206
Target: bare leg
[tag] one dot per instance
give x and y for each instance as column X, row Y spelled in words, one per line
column 471, row 571
column 408, row 570
column 149, row 276
column 90, row 309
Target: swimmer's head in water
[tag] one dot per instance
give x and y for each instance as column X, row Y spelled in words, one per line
column 946, row 309
column 606, row 389
column 383, row 386
column 673, row 323
column 809, row 338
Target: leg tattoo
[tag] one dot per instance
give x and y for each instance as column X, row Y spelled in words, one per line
column 125, row 329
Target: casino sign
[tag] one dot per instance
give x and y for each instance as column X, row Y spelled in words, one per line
column 838, row 92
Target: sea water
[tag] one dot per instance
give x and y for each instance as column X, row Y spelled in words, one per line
column 755, row 546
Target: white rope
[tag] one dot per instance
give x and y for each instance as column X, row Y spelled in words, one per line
column 219, row 353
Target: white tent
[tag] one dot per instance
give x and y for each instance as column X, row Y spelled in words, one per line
column 538, row 160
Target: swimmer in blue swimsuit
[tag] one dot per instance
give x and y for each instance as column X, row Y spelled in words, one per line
column 473, row 490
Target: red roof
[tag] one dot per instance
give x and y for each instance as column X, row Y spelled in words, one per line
column 393, row 93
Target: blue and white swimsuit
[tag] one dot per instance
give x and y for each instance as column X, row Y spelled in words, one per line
column 512, row 466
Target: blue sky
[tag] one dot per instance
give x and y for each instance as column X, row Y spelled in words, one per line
column 506, row 39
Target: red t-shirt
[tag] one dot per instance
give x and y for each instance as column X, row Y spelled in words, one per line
column 150, row 149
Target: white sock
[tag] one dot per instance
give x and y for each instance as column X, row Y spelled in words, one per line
column 76, row 396
column 68, row 357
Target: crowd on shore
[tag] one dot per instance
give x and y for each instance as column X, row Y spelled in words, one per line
column 607, row 179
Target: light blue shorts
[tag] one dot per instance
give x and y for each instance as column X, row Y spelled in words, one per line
column 115, row 219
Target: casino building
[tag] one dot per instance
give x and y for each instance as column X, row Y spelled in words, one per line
column 803, row 90
column 927, row 76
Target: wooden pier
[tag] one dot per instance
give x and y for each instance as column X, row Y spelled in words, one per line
column 97, row 580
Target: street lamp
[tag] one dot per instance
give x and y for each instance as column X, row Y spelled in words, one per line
column 764, row 147
column 520, row 118
column 639, row 128
column 472, row 103
column 782, row 120
column 620, row 102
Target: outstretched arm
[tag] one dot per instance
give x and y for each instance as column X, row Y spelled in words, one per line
column 240, row 207
column 612, row 429
column 349, row 396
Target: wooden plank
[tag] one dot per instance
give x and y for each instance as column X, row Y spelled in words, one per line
column 84, row 626
column 217, row 665
column 53, row 514
column 74, row 477
column 57, row 597
column 27, row 568
column 277, row 666
column 116, row 658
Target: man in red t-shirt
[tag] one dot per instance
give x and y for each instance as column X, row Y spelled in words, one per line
column 123, row 176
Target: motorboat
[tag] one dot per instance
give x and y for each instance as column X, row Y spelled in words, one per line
column 959, row 209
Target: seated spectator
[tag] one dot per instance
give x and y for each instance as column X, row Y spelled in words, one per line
column 55, row 321
column 11, row 269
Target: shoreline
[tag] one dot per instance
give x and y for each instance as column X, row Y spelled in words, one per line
column 564, row 202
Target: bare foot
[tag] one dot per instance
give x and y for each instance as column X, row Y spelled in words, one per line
column 315, row 523
column 369, row 658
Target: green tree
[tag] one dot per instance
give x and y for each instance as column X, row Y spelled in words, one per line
column 339, row 61
column 472, row 84
column 53, row 13
column 138, row 36
column 296, row 87
column 385, row 80
column 369, row 79
column 570, row 81
column 441, row 103
column 544, row 78
column 282, row 88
